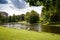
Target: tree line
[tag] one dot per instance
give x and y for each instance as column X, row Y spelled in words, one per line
column 9, row 19
column 31, row 17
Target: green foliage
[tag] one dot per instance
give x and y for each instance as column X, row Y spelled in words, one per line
column 58, row 9
column 32, row 17
column 54, row 18
column 34, row 2
column 49, row 11
column 12, row 18
column 16, row 18
column 3, row 19
column 27, row 16
column 22, row 17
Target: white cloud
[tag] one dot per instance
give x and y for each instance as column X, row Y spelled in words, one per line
column 11, row 9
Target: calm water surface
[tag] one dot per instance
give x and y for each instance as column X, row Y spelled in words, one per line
column 30, row 27
column 34, row 27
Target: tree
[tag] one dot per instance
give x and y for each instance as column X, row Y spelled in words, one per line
column 12, row 18
column 9, row 19
column 27, row 16
column 32, row 17
column 49, row 10
column 1, row 18
column 32, row 2
column 18, row 17
column 22, row 17
column 36, row 2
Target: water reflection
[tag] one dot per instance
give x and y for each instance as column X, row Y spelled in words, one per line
column 34, row 27
column 30, row 27
column 51, row 29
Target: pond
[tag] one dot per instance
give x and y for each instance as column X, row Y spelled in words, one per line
column 34, row 27
column 30, row 27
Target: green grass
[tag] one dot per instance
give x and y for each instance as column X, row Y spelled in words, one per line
column 23, row 22
column 16, row 34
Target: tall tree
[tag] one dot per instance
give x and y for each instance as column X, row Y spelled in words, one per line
column 32, row 17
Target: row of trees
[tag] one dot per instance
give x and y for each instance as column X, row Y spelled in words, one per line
column 31, row 17
column 14, row 18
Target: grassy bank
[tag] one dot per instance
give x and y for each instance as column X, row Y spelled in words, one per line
column 15, row 34
column 23, row 22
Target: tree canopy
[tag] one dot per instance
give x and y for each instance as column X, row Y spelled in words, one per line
column 32, row 17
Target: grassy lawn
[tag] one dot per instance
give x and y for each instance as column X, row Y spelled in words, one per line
column 16, row 34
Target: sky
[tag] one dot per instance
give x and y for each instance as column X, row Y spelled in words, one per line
column 3, row 1
column 17, row 7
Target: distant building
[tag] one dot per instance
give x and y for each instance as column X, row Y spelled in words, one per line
column 4, row 14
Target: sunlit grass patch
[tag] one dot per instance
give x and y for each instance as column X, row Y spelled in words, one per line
column 16, row 34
